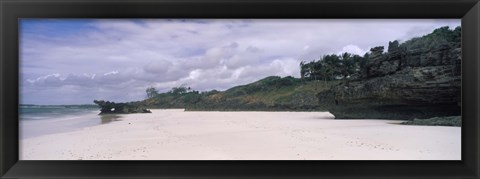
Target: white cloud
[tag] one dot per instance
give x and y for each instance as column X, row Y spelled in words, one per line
column 110, row 73
column 354, row 50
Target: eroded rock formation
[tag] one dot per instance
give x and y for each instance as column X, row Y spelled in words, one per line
column 107, row 107
column 401, row 84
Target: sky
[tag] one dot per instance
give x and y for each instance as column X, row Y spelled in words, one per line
column 74, row 61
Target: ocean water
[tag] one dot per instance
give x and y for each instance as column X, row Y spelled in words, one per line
column 37, row 120
column 36, row 112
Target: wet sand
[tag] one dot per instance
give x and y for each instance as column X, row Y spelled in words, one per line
column 179, row 135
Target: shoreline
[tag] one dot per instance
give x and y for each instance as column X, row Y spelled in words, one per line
column 72, row 122
column 175, row 134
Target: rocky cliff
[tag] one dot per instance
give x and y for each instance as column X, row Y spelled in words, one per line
column 107, row 107
column 402, row 83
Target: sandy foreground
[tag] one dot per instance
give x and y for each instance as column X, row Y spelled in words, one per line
column 179, row 135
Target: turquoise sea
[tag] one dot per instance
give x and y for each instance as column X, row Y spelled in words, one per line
column 37, row 112
column 37, row 120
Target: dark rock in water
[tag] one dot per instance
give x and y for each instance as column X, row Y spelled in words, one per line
column 401, row 84
column 108, row 107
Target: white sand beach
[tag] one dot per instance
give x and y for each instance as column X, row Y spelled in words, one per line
column 184, row 135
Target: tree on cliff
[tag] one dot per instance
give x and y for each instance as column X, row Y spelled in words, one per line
column 332, row 67
column 180, row 90
column 303, row 70
column 151, row 92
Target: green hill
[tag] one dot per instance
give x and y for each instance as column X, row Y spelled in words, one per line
column 270, row 93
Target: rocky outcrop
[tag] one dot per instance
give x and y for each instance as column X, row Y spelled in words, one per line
column 107, row 107
column 401, row 84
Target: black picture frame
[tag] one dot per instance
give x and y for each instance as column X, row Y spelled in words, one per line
column 11, row 10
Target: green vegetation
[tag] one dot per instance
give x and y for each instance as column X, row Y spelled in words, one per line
column 151, row 92
column 270, row 93
column 178, row 97
column 437, row 121
column 437, row 38
column 332, row 67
